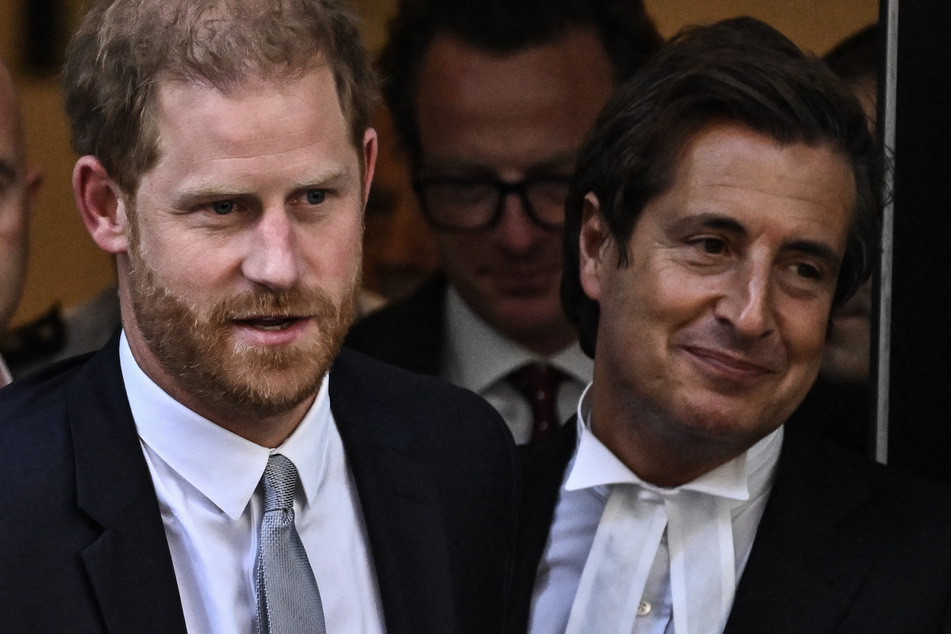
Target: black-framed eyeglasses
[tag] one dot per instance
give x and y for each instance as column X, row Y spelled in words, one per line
column 475, row 204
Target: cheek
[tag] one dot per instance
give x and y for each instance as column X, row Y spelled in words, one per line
column 665, row 295
column 334, row 252
column 182, row 263
column 804, row 331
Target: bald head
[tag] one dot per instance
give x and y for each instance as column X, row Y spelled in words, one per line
column 17, row 187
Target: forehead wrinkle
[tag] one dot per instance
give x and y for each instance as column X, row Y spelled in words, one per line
column 795, row 185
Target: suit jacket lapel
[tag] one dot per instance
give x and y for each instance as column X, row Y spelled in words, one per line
column 129, row 566
column 402, row 514
column 814, row 543
column 543, row 469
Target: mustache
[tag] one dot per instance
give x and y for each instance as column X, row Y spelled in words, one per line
column 293, row 302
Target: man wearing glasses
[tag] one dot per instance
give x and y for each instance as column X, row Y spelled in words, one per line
column 492, row 103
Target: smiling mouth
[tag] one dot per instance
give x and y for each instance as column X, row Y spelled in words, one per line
column 729, row 363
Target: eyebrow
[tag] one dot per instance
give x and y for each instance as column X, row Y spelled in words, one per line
column 811, row 247
column 209, row 191
column 708, row 221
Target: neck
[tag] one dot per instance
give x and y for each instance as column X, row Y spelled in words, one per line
column 657, row 451
column 267, row 430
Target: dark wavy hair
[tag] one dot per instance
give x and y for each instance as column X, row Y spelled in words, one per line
column 738, row 71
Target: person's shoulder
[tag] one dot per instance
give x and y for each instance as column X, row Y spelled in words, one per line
column 917, row 501
column 59, row 334
column 43, row 387
column 416, row 312
column 34, row 344
column 33, row 414
column 922, row 502
column 455, row 435
column 386, row 387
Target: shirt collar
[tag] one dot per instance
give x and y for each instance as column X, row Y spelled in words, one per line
column 740, row 479
column 223, row 466
column 476, row 355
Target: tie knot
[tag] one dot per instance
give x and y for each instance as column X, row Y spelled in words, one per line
column 536, row 380
column 539, row 382
column 280, row 481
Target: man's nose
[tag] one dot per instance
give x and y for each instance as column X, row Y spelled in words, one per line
column 516, row 231
column 746, row 302
column 272, row 259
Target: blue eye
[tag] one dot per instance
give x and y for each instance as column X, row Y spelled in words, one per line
column 315, row 196
column 223, row 207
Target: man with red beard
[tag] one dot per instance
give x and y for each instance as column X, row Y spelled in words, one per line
column 221, row 466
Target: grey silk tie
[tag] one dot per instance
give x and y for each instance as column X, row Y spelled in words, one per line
column 288, row 598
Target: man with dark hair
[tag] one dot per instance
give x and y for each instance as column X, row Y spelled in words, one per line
column 492, row 100
column 220, row 465
column 726, row 200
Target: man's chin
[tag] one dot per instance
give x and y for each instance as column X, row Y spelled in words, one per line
column 264, row 391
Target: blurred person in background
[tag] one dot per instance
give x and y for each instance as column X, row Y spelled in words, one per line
column 18, row 187
column 491, row 101
column 399, row 252
column 839, row 404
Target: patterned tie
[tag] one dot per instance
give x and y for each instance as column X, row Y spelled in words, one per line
column 539, row 383
column 288, row 598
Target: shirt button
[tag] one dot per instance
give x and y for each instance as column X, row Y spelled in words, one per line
column 643, row 608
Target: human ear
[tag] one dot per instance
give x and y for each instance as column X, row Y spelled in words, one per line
column 594, row 240
column 101, row 205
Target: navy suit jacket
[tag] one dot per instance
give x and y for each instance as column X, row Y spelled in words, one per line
column 844, row 545
column 83, row 547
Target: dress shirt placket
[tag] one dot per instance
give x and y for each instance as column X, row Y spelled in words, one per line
column 702, row 563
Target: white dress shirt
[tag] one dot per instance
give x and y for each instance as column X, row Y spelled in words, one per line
column 589, row 480
column 5, row 376
column 478, row 357
column 207, row 481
